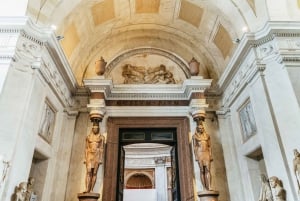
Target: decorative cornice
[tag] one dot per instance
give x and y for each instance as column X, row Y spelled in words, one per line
column 256, row 49
column 37, row 48
column 287, row 34
column 147, row 103
column 255, row 40
column 5, row 57
column 261, row 41
column 43, row 38
column 12, row 30
column 32, row 38
column 291, row 59
column 148, row 91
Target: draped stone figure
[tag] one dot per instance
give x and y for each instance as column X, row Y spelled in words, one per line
column 203, row 154
column 20, row 194
column 30, row 194
column 265, row 191
column 93, row 155
column 296, row 163
column 277, row 189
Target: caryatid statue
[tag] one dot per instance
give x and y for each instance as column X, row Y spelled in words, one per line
column 93, row 155
column 203, row 154
column 296, row 164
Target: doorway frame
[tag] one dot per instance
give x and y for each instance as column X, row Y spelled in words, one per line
column 185, row 164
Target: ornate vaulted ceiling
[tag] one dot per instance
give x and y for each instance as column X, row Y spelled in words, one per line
column 204, row 29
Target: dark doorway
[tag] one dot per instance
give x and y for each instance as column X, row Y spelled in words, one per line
column 166, row 136
column 183, row 152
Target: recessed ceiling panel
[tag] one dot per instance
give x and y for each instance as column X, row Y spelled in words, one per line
column 103, row 12
column 223, row 41
column 147, row 6
column 71, row 40
column 190, row 13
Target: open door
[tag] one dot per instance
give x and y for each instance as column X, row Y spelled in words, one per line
column 121, row 174
column 175, row 183
column 113, row 183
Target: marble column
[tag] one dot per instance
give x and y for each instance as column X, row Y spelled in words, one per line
column 17, row 137
column 230, row 156
column 63, row 155
column 161, row 179
column 276, row 102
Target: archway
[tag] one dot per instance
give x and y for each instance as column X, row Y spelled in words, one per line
column 180, row 124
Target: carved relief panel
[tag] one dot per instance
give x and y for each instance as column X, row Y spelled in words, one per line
column 47, row 124
column 146, row 68
column 247, row 120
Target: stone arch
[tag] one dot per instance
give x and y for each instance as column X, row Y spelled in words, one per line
column 139, row 180
column 144, row 50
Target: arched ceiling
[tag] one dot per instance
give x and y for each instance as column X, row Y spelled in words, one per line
column 203, row 29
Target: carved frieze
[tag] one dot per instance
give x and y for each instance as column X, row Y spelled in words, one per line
column 8, row 41
column 272, row 43
column 147, row 102
column 147, row 66
column 27, row 53
column 54, row 78
column 239, row 79
column 26, row 47
column 143, row 75
column 140, row 51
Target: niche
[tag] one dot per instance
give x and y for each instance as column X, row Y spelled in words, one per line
column 256, row 167
column 139, row 181
column 38, row 171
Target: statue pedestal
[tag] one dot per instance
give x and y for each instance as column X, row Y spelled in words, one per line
column 88, row 196
column 208, row 195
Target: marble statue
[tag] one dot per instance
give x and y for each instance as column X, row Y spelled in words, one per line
column 30, row 194
column 203, row 154
column 265, row 191
column 278, row 191
column 296, row 164
column 20, row 194
column 93, row 156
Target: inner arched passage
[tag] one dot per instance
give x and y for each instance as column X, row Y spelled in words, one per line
column 181, row 126
column 139, row 181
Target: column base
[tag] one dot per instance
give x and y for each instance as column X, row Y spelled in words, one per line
column 88, row 196
column 208, row 195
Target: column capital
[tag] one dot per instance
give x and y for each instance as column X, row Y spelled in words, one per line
column 96, row 108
